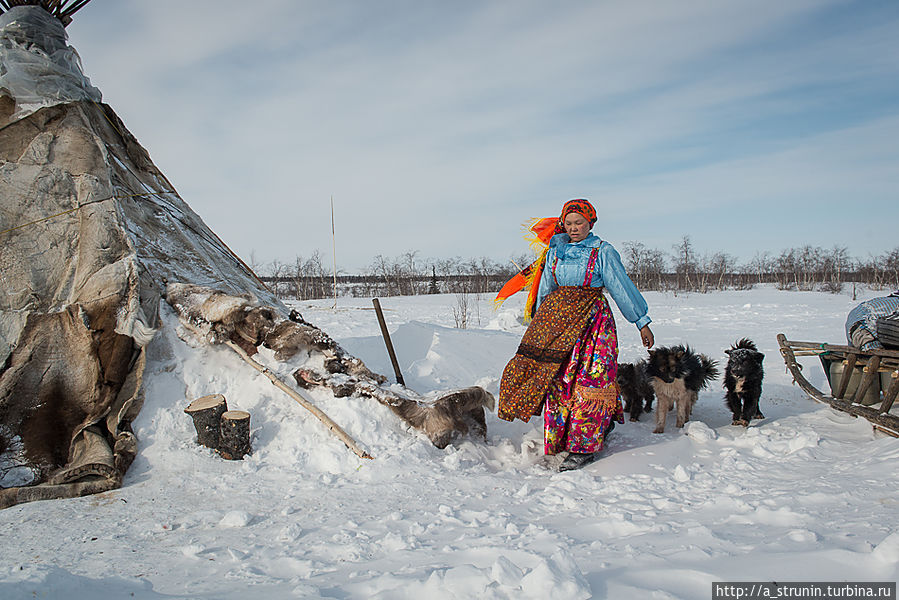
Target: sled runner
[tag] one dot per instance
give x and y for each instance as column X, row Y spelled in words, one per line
column 856, row 379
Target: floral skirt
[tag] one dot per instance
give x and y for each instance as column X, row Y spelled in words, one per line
column 583, row 398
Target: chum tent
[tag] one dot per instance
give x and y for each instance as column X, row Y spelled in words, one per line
column 92, row 232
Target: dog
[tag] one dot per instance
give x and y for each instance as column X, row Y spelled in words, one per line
column 743, row 381
column 677, row 374
column 633, row 383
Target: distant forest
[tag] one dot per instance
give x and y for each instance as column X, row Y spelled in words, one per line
column 681, row 269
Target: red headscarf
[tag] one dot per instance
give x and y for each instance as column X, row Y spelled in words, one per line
column 580, row 206
column 542, row 231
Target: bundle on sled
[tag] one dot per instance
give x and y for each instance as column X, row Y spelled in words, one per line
column 243, row 325
column 863, row 383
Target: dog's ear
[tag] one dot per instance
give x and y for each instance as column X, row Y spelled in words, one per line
column 728, row 351
column 759, row 357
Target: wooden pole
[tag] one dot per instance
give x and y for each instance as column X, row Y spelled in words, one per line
column 386, row 335
column 848, row 369
column 71, row 9
column 890, row 394
column 870, row 374
column 333, row 427
column 334, row 248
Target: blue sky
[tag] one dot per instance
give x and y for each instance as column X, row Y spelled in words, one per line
column 441, row 127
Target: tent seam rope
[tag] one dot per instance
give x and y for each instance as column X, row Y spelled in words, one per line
column 80, row 206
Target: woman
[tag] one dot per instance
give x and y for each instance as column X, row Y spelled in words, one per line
column 568, row 358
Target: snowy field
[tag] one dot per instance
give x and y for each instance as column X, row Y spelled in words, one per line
column 806, row 494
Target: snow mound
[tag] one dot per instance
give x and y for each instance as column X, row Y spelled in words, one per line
column 700, row 432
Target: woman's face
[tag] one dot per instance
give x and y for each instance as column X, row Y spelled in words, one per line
column 576, row 226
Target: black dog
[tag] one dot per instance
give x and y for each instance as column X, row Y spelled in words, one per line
column 677, row 373
column 743, row 381
column 633, row 383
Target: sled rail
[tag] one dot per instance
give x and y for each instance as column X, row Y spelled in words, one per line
column 868, row 363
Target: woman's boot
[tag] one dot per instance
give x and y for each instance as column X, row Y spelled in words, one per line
column 576, row 460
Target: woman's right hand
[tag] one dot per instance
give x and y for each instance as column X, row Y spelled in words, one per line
column 647, row 337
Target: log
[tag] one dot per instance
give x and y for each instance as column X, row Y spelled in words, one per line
column 235, row 442
column 207, row 415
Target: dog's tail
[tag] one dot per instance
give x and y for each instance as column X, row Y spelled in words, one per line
column 709, row 370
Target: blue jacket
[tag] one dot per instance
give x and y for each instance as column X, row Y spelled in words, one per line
column 571, row 267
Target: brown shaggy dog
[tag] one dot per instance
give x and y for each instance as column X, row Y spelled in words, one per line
column 677, row 375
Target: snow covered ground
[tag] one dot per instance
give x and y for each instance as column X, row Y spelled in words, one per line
column 806, row 494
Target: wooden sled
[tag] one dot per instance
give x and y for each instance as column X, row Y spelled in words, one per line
column 868, row 364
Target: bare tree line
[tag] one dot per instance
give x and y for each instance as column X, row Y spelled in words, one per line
column 803, row 268
column 404, row 275
column 680, row 269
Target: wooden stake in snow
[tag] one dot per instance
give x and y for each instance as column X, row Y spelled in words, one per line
column 386, row 335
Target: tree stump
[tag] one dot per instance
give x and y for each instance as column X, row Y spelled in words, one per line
column 207, row 415
column 235, row 440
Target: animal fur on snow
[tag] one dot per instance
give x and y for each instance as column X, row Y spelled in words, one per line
column 221, row 316
column 239, row 319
